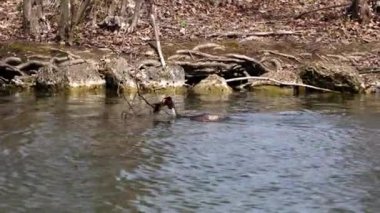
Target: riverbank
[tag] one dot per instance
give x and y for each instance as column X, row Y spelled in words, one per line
column 248, row 46
column 238, row 65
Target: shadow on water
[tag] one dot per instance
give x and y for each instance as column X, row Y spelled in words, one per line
column 274, row 154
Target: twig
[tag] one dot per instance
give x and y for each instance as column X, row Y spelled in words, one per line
column 319, row 9
column 156, row 33
column 279, row 82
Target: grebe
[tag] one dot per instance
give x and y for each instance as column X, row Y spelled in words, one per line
column 205, row 117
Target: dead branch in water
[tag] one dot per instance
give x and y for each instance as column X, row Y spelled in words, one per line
column 280, row 83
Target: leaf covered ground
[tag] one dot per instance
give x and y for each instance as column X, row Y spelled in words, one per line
column 196, row 20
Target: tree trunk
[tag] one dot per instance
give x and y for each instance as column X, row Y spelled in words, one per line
column 64, row 33
column 359, row 10
column 27, row 10
column 112, row 8
column 123, row 9
column 80, row 13
column 34, row 22
column 136, row 15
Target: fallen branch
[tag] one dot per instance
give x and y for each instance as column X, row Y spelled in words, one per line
column 320, row 9
column 156, row 34
column 279, row 82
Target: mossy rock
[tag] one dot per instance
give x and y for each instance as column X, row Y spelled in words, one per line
column 212, row 85
column 341, row 78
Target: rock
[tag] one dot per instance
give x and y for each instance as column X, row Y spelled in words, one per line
column 213, row 84
column 69, row 76
column 117, row 75
column 153, row 77
column 341, row 78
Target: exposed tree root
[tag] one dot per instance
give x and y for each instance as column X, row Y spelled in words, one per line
column 249, row 59
column 197, row 65
column 13, row 61
column 208, row 45
column 31, row 65
column 13, row 66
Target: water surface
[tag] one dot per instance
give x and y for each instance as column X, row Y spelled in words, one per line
column 273, row 154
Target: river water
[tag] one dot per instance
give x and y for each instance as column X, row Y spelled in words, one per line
column 274, row 154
